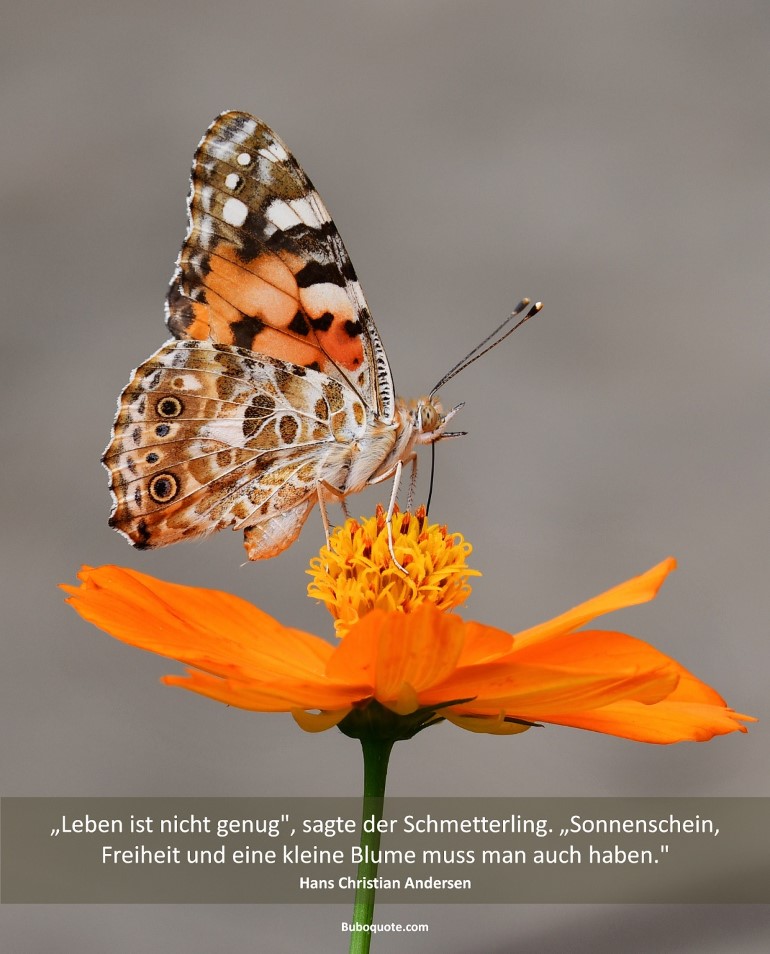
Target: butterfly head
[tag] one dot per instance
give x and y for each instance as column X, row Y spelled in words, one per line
column 429, row 420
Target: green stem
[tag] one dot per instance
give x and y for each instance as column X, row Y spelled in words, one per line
column 376, row 755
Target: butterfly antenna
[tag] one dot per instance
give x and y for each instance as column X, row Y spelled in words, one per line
column 432, row 474
column 492, row 340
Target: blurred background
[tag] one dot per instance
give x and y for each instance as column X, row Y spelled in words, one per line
column 610, row 159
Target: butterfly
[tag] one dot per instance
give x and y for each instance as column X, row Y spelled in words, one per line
column 275, row 392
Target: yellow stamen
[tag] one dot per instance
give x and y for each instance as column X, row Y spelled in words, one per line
column 355, row 573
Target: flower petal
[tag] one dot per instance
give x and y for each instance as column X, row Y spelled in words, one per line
column 587, row 669
column 247, row 658
column 639, row 589
column 488, row 725
column 389, row 651
column 665, row 722
column 318, row 721
column 266, row 695
column 208, row 629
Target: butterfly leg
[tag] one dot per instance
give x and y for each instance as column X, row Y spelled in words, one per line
column 324, row 515
column 334, row 492
column 389, row 516
column 396, row 473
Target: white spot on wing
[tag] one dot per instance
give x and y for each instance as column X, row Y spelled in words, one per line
column 282, row 215
column 278, row 151
column 309, row 212
column 226, row 430
column 191, row 383
column 233, row 181
column 219, row 150
column 243, row 159
column 246, row 132
column 234, row 212
column 266, row 154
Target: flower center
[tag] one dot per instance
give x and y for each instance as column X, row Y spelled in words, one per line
column 355, row 573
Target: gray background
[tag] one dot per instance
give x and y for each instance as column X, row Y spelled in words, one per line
column 609, row 158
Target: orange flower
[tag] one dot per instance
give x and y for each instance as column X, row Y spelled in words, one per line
column 418, row 666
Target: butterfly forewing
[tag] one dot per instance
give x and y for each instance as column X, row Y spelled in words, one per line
column 264, row 268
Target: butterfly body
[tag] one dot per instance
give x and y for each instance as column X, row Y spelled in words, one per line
column 275, row 392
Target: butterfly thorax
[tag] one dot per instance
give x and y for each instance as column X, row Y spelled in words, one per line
column 416, row 421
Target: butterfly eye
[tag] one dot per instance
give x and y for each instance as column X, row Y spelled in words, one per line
column 428, row 417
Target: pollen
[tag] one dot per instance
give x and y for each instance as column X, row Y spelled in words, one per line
column 355, row 573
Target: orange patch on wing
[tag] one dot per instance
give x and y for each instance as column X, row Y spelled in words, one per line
column 265, row 288
column 318, row 300
column 213, row 319
column 261, row 291
column 286, row 347
column 199, row 327
column 270, row 267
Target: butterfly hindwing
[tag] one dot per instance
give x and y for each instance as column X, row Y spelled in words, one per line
column 264, row 268
column 209, row 436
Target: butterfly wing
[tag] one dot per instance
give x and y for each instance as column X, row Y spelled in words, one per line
column 264, row 268
column 210, row 436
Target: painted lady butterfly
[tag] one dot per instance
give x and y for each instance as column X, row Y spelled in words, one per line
column 275, row 391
